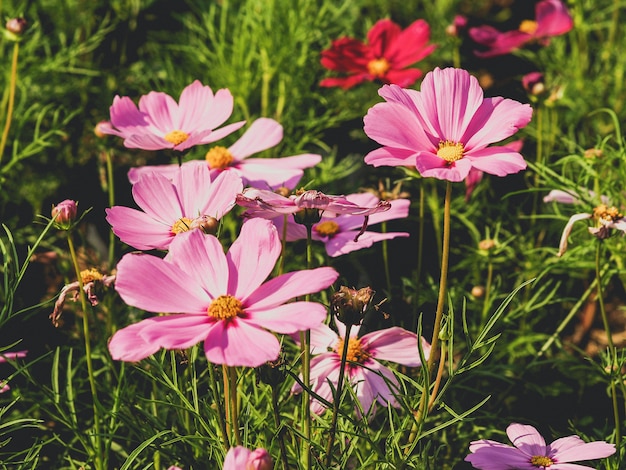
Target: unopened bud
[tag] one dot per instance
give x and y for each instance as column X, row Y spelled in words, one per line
column 478, row 291
column 272, row 372
column 64, row 213
column 101, row 129
column 350, row 305
column 259, row 459
column 593, row 153
column 487, row 244
column 16, row 26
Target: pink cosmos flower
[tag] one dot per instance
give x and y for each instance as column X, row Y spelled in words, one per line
column 551, row 19
column 444, row 130
column 161, row 123
column 370, row 380
column 390, row 50
column 262, row 173
column 240, row 458
column 4, row 357
column 172, row 207
column 216, row 298
column 532, row 453
column 338, row 233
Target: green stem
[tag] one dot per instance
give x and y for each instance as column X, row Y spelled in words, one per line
column 487, row 290
column 383, row 229
column 234, row 407
column 337, row 398
column 12, row 84
column 305, row 348
column 227, row 403
column 92, row 380
column 218, row 407
column 279, row 429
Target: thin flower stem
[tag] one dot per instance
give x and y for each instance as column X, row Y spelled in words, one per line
column 234, row 408
column 383, row 229
column 337, row 398
column 279, row 429
column 227, row 403
column 218, row 407
column 611, row 347
column 92, row 380
column 487, row 290
column 437, row 383
column 12, row 84
column 305, row 347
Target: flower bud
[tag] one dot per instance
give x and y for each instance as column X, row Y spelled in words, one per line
column 458, row 24
column 16, row 27
column 350, row 305
column 478, row 291
column 272, row 372
column 64, row 214
column 487, row 244
column 533, row 83
column 101, row 129
column 259, row 459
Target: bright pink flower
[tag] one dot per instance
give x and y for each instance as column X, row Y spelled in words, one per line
column 551, row 19
column 172, row 207
column 241, row 458
column 338, row 233
column 370, row 380
column 390, row 50
column 64, row 214
column 532, row 453
column 161, row 123
column 444, row 130
column 262, row 173
column 216, row 298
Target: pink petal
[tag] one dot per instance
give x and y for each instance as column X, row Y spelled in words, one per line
column 288, row 318
column 218, row 110
column 504, row 43
column 158, row 197
column 147, row 141
column 179, row 331
column 383, row 33
column 287, row 286
column 403, row 78
column 432, row 166
column 262, row 134
column 236, row 458
column 126, row 117
column 572, row 449
column 396, row 345
column 563, row 197
column 343, row 243
column 389, row 156
column 394, row 125
column 491, row 455
column 220, row 133
column 12, row 355
column 322, row 339
column 568, row 229
column 527, row 439
column 382, row 383
column 553, row 18
column 499, row 161
column 236, row 343
column 194, row 103
column 136, row 173
column 266, row 173
column 127, row 344
column 138, row 229
column 344, row 82
column 162, row 111
column 152, row 284
column 417, row 34
column 221, row 194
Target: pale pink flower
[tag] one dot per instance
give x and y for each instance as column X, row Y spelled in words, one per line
column 174, row 467
column 241, row 458
column 338, row 232
column 161, row 123
column 551, row 19
column 371, row 381
column 9, row 356
column 216, row 298
column 445, row 129
column 532, row 453
column 262, row 173
column 173, row 207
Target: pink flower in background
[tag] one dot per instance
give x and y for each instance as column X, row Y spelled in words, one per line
column 339, row 232
column 9, row 356
column 532, row 453
column 445, row 129
column 241, row 458
column 64, row 213
column 161, row 123
column 262, row 173
column 551, row 19
column 390, row 50
column 169, row 208
column 370, row 380
column 216, row 298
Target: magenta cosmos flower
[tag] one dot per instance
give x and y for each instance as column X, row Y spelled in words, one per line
column 241, row 458
column 444, row 130
column 370, row 379
column 169, row 208
column 532, row 453
column 551, row 19
column 161, row 123
column 262, row 173
column 216, row 298
column 338, row 232
column 390, row 50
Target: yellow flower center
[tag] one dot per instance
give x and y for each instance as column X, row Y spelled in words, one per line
column 450, row 151
column 219, row 157
column 378, row 67
column 609, row 214
column 327, row 228
column 528, row 26
column 176, row 137
column 90, row 275
column 541, row 461
column 181, row 225
column 225, row 307
column 355, row 351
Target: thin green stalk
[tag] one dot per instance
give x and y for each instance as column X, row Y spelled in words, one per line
column 305, row 348
column 92, row 380
column 227, row 403
column 279, row 429
column 487, row 290
column 218, row 407
column 611, row 347
column 234, row 407
column 383, row 229
column 337, row 398
column 11, row 104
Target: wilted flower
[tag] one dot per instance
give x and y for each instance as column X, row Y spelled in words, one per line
column 551, row 19
column 161, row 123
column 350, row 305
column 170, row 208
column 444, row 130
column 261, row 173
column 371, row 381
column 342, row 234
column 216, row 298
column 64, row 214
column 241, row 458
column 531, row 452
column 390, row 50
column 92, row 281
